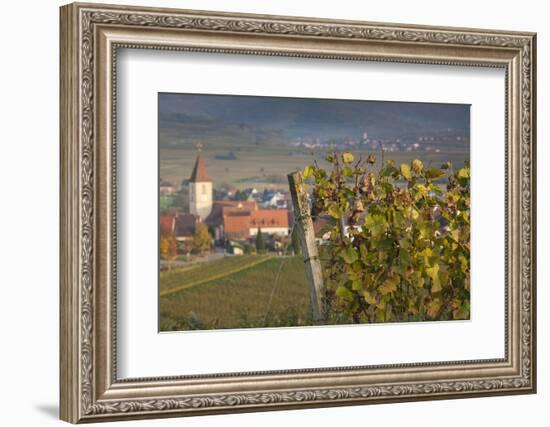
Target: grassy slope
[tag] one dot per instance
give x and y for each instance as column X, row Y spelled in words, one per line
column 240, row 299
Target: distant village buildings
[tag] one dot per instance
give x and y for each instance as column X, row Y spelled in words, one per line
column 227, row 219
column 241, row 220
column 167, row 188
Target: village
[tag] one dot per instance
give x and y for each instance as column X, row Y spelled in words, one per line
column 199, row 222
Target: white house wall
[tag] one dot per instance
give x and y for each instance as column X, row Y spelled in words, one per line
column 283, row 231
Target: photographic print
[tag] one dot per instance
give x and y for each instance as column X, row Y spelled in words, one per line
column 280, row 212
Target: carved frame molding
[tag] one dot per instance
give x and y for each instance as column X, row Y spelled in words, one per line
column 90, row 37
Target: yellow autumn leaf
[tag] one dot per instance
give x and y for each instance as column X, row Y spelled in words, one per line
column 390, row 285
column 433, row 308
column 347, row 157
column 369, row 297
column 433, row 272
column 417, row 165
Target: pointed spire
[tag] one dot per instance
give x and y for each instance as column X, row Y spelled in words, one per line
column 199, row 173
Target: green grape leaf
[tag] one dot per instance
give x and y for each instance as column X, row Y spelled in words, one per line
column 349, row 255
column 357, row 285
column 433, row 173
column 344, row 293
column 334, row 211
column 347, row 171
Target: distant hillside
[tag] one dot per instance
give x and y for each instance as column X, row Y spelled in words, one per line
column 263, row 120
column 179, row 128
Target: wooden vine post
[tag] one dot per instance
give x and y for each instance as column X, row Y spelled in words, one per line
column 303, row 226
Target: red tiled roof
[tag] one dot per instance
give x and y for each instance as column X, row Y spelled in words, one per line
column 219, row 206
column 199, row 173
column 234, row 210
column 166, row 224
column 236, row 225
column 269, row 218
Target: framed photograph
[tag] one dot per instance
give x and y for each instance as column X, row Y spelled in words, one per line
column 265, row 212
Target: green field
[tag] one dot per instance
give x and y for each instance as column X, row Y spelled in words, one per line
column 266, row 165
column 235, row 292
column 254, row 166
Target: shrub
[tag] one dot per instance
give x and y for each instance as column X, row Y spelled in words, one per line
column 202, row 240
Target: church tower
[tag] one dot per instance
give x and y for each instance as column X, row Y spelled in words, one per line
column 200, row 189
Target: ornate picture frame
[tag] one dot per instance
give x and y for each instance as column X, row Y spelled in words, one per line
column 90, row 37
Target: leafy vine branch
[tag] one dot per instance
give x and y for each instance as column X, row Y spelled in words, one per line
column 397, row 247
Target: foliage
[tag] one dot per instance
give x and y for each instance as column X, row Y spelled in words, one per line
column 260, row 241
column 249, row 249
column 172, row 247
column 168, row 247
column 186, row 247
column 399, row 245
column 165, row 201
column 164, row 245
column 202, row 240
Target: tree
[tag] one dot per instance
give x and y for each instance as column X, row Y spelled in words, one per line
column 164, row 246
column 202, row 241
column 171, row 249
column 260, row 241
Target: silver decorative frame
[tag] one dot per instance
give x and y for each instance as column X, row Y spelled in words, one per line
column 90, row 36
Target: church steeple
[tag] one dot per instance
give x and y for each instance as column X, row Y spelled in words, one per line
column 200, row 188
column 199, row 173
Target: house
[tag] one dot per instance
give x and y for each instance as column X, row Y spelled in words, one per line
column 167, row 225
column 236, row 226
column 185, row 226
column 271, row 221
column 166, row 188
column 230, row 219
column 225, row 208
column 234, row 248
column 240, row 220
column 271, row 199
